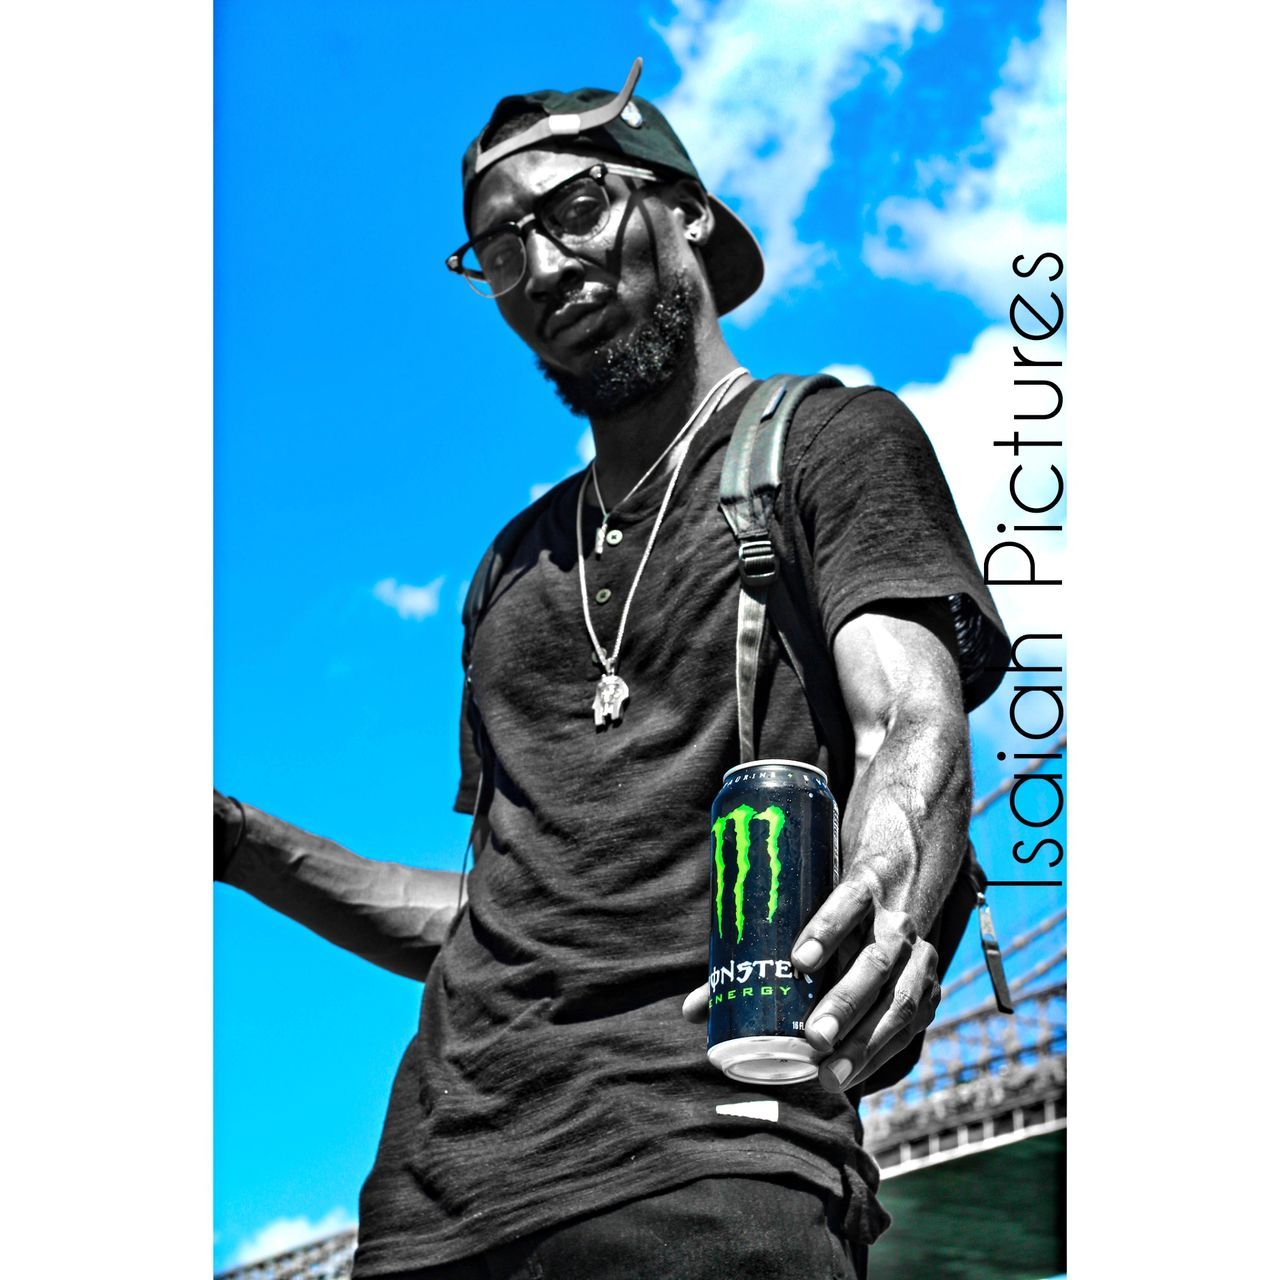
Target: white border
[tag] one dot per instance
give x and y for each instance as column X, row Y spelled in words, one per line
column 105, row 511
column 107, row 647
column 1172, row 464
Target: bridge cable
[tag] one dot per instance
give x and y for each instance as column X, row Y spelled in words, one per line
column 1016, row 945
column 981, row 806
column 1038, row 971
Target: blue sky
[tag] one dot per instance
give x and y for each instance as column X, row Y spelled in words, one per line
column 375, row 424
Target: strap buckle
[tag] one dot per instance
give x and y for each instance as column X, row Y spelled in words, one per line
column 757, row 563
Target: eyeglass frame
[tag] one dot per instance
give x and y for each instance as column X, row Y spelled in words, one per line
column 597, row 171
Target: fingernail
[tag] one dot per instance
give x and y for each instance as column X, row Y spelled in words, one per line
column 826, row 1029
column 835, row 1075
column 808, row 954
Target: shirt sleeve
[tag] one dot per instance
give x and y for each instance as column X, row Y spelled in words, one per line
column 880, row 525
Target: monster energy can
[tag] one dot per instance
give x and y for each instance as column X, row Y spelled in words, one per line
column 775, row 849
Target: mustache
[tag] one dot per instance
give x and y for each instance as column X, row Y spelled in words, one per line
column 585, row 296
column 636, row 365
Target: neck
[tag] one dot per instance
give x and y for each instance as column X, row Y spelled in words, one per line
column 627, row 442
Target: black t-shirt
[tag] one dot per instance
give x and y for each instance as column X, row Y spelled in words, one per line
column 552, row 1074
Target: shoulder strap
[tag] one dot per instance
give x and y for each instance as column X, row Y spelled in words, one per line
column 492, row 563
column 749, row 484
column 479, row 596
column 752, row 472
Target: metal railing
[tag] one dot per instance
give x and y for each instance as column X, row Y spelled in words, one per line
column 326, row 1259
column 983, row 1076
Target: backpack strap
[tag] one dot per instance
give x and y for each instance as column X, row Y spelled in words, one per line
column 749, row 484
column 484, row 582
column 491, row 567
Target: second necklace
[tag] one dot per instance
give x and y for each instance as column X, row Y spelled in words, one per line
column 611, row 689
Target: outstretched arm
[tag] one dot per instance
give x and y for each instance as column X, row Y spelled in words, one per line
column 394, row 916
column 903, row 836
column 902, row 839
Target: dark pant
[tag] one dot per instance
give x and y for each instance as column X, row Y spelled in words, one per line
column 744, row 1228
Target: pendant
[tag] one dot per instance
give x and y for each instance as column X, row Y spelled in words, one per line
column 600, row 540
column 611, row 693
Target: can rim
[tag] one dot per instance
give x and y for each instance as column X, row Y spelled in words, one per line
column 758, row 764
column 747, row 1059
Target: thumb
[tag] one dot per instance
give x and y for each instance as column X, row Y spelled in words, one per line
column 696, row 1004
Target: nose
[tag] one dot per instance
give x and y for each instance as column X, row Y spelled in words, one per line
column 549, row 270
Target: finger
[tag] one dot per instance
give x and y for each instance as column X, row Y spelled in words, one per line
column 910, row 1006
column 875, row 968
column 902, row 1010
column 868, row 986
column 848, row 904
column 830, row 1074
column 900, row 1041
column 847, row 1057
column 696, row 1004
column 857, row 1059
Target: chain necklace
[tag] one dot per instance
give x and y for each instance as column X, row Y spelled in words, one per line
column 727, row 381
column 611, row 689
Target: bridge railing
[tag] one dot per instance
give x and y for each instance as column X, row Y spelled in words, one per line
column 982, row 1074
column 329, row 1258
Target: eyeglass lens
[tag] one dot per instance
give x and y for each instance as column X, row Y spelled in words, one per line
column 574, row 214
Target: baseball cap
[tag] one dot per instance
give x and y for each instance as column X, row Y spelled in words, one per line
column 625, row 125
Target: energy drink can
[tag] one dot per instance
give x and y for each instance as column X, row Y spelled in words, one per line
column 775, row 851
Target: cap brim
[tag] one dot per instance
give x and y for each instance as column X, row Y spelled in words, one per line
column 734, row 262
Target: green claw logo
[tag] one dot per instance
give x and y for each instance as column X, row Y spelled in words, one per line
column 742, row 817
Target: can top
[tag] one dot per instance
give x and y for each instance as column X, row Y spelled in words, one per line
column 760, row 764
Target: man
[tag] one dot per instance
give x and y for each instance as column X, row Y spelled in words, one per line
column 555, row 1116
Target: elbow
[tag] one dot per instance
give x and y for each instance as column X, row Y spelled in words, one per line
column 416, row 965
column 412, row 962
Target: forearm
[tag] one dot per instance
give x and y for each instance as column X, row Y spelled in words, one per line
column 392, row 915
column 905, row 827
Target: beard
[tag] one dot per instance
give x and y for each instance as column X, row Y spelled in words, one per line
column 637, row 366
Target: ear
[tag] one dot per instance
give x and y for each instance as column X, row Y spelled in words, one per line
column 692, row 211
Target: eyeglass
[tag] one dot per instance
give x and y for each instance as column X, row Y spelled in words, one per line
column 571, row 214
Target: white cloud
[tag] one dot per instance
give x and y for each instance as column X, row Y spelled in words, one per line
column 289, row 1233
column 852, row 375
column 1004, row 197
column 753, row 104
column 410, row 602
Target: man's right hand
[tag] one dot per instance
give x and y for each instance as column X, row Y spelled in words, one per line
column 394, row 916
column 228, row 826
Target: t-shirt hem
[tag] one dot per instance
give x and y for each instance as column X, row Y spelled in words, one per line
column 389, row 1256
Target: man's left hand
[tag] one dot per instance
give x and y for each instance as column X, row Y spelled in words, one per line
column 889, row 991
column 902, row 834
column 888, row 994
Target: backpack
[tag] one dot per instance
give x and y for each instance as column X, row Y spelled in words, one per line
column 749, row 483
